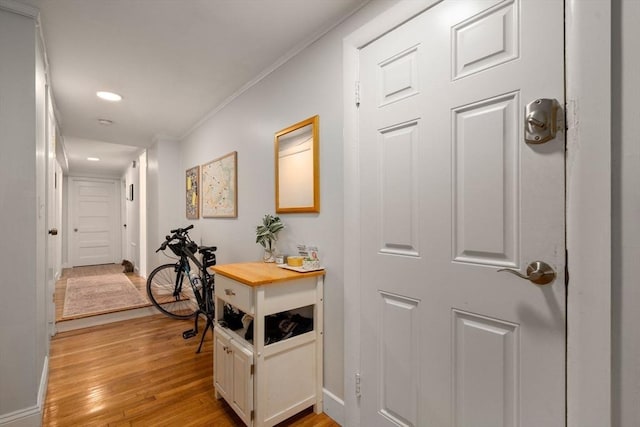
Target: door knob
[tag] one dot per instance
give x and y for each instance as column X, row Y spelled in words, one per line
column 53, row 231
column 538, row 272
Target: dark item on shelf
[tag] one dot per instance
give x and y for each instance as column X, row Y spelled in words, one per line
column 232, row 317
column 281, row 326
column 295, row 325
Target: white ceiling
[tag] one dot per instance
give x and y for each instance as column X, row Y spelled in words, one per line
column 173, row 61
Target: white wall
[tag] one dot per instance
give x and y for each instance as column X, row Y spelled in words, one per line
column 626, row 212
column 23, row 334
column 165, row 179
column 308, row 84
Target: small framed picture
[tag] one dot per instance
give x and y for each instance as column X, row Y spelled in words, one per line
column 192, row 201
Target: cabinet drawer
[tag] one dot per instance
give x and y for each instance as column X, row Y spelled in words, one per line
column 235, row 293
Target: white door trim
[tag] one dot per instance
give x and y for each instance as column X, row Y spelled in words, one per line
column 588, row 86
column 588, row 35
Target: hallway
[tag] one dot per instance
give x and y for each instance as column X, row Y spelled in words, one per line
column 135, row 372
column 139, row 372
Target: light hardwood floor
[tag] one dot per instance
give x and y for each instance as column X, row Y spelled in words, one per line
column 139, row 372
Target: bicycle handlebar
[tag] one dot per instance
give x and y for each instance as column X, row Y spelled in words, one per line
column 178, row 234
column 182, row 230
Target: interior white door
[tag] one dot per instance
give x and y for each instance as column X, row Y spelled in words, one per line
column 94, row 222
column 53, row 229
column 449, row 194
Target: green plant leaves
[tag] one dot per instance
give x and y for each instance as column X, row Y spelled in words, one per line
column 266, row 233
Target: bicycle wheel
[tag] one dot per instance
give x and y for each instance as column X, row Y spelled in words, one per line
column 161, row 288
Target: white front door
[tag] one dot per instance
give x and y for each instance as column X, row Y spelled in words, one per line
column 94, row 217
column 449, row 194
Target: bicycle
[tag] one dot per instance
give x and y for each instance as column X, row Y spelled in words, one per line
column 183, row 299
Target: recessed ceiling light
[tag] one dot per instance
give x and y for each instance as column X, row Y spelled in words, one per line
column 109, row 96
column 105, row 122
column 93, row 159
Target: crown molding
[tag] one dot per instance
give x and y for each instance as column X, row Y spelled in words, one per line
column 19, row 8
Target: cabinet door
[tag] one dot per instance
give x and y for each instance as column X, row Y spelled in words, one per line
column 242, row 401
column 222, row 363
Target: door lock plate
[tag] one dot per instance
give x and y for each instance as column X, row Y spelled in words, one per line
column 540, row 123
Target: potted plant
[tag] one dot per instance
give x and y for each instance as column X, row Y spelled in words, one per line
column 267, row 234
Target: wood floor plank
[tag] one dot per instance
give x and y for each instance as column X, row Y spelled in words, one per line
column 139, row 372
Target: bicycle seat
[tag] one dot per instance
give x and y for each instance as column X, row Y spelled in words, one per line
column 207, row 250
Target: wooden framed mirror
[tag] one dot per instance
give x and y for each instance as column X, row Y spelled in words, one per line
column 297, row 167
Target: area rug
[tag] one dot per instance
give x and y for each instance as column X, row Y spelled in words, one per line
column 92, row 270
column 91, row 295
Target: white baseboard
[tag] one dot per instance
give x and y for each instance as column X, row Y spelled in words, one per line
column 44, row 382
column 27, row 417
column 31, row 416
column 333, row 406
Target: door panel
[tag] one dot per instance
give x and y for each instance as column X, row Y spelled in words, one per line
column 485, row 371
column 242, row 359
column 398, row 185
column 223, row 374
column 485, row 229
column 486, row 40
column 94, row 222
column 400, row 329
column 449, row 194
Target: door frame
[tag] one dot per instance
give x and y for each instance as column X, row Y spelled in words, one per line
column 588, row 205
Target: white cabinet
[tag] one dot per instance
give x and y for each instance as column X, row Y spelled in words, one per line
column 267, row 383
column 233, row 365
column 223, row 377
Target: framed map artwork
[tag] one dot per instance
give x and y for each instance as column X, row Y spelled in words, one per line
column 192, row 201
column 219, row 187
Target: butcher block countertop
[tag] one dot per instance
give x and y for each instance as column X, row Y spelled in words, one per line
column 260, row 273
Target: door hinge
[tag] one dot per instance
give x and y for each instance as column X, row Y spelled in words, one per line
column 358, row 391
column 357, row 93
column 252, row 414
column 251, row 370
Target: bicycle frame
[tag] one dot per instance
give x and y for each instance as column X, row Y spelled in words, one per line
column 204, row 295
column 203, row 291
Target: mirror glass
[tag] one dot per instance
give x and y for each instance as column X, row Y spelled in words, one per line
column 297, row 171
